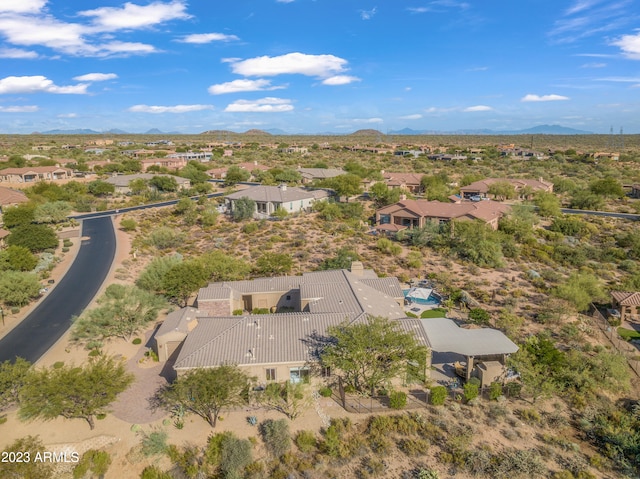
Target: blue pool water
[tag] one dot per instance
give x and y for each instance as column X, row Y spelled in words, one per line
column 431, row 300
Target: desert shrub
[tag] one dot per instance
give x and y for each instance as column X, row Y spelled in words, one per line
column 128, row 224
column 530, row 416
column 165, row 238
column 154, row 472
column 471, row 391
column 414, row 447
column 250, row 228
column 97, row 462
column 237, row 312
column 325, row 392
column 154, row 443
column 276, row 436
column 235, row 455
column 397, row 399
column 479, row 316
column 306, row 441
column 438, row 395
column 495, row 390
column 136, row 341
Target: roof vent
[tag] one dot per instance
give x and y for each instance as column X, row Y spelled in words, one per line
column 357, row 268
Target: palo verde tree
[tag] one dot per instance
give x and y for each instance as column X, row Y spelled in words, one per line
column 368, row 355
column 12, row 377
column 122, row 311
column 206, row 392
column 73, row 392
column 291, row 399
column 182, row 280
column 243, row 209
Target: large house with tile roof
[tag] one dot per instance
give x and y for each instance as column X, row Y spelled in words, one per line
column 277, row 346
column 417, row 213
column 30, row 174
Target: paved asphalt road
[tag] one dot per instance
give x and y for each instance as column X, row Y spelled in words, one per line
column 52, row 317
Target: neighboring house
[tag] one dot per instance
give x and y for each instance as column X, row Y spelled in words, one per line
column 35, row 173
column 606, row 156
column 201, row 156
column 269, row 198
column 121, row 182
column 311, row 174
column 521, row 186
column 166, row 162
column 628, row 303
column 9, row 197
column 277, row 346
column 416, row 213
column 221, row 173
column 406, row 181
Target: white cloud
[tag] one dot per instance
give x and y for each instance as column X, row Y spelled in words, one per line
column 594, row 65
column 125, row 48
column 68, row 115
column 132, row 16
column 263, row 105
column 242, row 85
column 537, row 98
column 21, row 6
column 19, row 109
column 620, row 79
column 368, row 14
column 581, row 5
column 415, row 116
column 17, row 53
column 478, row 108
column 418, row 9
column 47, row 31
column 340, row 80
column 93, row 77
column 38, row 84
column 630, row 45
column 208, row 38
column 169, row 109
column 311, row 65
column 367, row 120
column 284, row 1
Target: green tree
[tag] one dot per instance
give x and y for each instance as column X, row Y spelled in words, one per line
column 206, row 392
column 73, row 392
column 243, row 208
column 382, row 195
column 52, row 212
column 580, row 289
column 368, row 355
column 223, row 267
column 164, row 183
column 344, row 185
column 101, row 188
column 17, row 288
column 165, row 238
column 152, row 276
column 291, row 399
column 138, row 186
column 586, row 200
column 235, row 175
column 479, row 316
column 36, row 238
column 17, row 258
column 608, row 187
column 184, row 279
column 18, row 215
column 342, row 260
column 502, row 190
column 122, row 311
column 12, row 377
column 97, row 462
column 548, row 204
column 274, row 264
column 27, row 469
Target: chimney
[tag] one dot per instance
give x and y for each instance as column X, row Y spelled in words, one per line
column 357, row 268
column 283, row 187
column 403, row 197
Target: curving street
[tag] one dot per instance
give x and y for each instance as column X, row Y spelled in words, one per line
column 52, row 317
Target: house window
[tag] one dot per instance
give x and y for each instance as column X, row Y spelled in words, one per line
column 299, row 375
column 288, row 297
column 270, row 374
column 326, row 372
column 385, row 219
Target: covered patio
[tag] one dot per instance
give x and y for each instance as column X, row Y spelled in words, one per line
column 454, row 346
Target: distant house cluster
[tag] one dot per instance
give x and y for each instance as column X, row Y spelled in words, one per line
column 35, row 173
column 522, row 187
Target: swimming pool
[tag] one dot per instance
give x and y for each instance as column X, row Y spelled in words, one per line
column 434, row 298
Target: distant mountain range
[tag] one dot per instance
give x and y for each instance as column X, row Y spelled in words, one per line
column 536, row 130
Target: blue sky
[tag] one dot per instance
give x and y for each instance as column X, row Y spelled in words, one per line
column 310, row 66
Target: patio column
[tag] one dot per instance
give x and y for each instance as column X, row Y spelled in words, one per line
column 469, row 366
